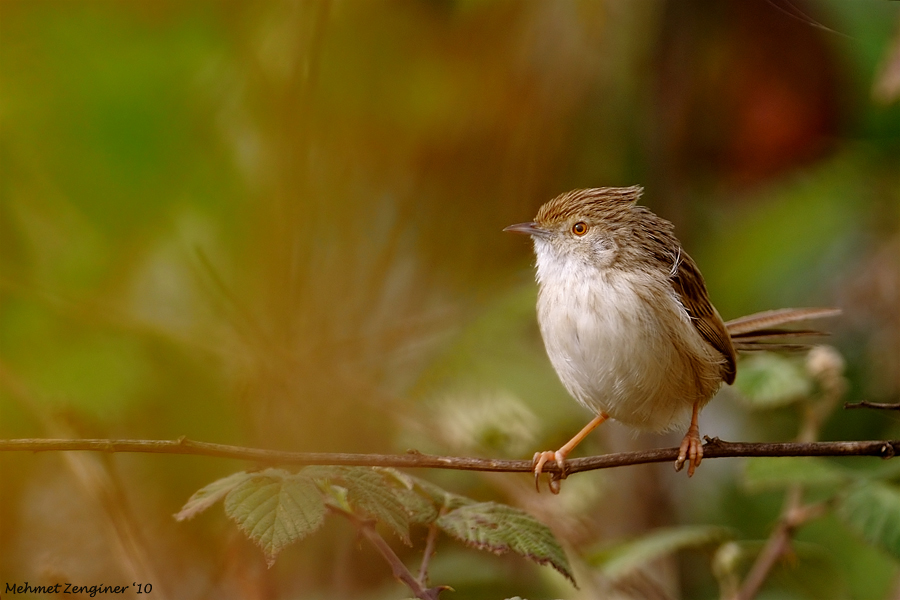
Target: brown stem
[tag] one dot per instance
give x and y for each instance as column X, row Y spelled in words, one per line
column 794, row 515
column 400, row 571
column 714, row 448
column 775, row 547
column 429, row 548
column 874, row 405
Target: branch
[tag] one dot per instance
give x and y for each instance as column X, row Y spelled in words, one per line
column 826, row 366
column 714, row 448
column 875, row 405
column 430, row 543
column 793, row 516
column 367, row 529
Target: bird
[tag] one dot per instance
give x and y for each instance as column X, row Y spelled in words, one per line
column 627, row 321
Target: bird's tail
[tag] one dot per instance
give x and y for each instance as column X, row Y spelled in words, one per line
column 763, row 331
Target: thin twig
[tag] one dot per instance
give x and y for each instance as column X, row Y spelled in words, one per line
column 714, row 448
column 795, row 514
column 875, row 405
column 398, row 568
column 430, row 542
column 778, row 543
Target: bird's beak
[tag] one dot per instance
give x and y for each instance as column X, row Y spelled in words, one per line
column 531, row 228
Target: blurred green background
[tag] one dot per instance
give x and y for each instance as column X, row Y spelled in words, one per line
column 278, row 224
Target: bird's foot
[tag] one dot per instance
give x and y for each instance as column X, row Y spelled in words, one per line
column 540, row 459
column 691, row 450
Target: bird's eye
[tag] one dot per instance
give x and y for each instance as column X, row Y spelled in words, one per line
column 580, row 228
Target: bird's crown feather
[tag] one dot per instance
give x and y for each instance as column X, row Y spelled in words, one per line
column 591, row 202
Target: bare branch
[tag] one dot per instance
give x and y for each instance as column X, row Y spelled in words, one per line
column 429, row 551
column 714, row 448
column 826, row 366
column 794, row 514
column 875, row 405
column 430, row 543
column 403, row 574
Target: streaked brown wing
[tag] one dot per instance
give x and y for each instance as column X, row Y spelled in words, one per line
column 688, row 284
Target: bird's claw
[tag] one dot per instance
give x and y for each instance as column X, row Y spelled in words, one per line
column 540, row 459
column 691, row 450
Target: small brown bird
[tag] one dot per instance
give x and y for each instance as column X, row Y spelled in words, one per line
column 627, row 321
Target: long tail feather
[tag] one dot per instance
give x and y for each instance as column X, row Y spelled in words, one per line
column 759, row 331
column 768, row 334
column 775, row 318
column 763, row 347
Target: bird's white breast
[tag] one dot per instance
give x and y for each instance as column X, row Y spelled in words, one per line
column 622, row 343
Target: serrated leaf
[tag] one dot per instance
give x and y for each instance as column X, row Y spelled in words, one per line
column 372, row 496
column 336, row 497
column 872, row 509
column 323, row 473
column 770, row 380
column 623, row 559
column 500, row 529
column 420, row 509
column 209, row 495
column 434, row 497
column 397, row 475
column 441, row 498
column 766, row 473
column 275, row 508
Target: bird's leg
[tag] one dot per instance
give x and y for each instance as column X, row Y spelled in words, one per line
column 541, row 458
column 691, row 446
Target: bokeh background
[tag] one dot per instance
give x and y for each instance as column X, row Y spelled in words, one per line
column 278, row 224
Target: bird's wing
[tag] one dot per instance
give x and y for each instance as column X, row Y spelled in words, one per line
column 688, row 284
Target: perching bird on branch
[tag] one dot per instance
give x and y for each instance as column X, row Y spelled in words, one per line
column 627, row 321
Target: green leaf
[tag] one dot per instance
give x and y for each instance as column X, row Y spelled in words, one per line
column 500, row 529
column 441, row 498
column 623, row 559
column 872, row 509
column 420, row 509
column 766, row 473
column 323, row 473
column 419, row 506
column 770, row 380
column 275, row 508
column 370, row 495
column 209, row 495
